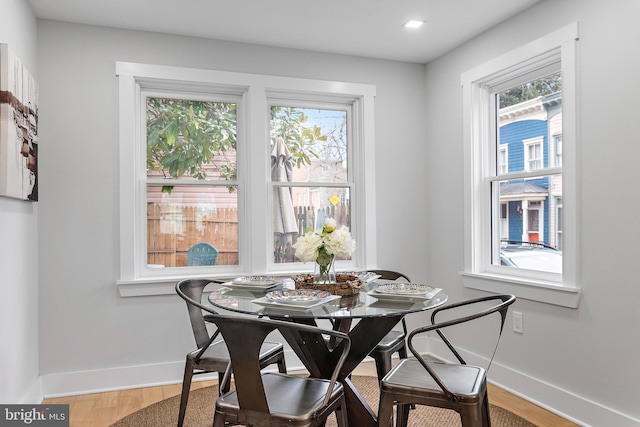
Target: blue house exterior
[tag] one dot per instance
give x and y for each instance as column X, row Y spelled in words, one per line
column 530, row 139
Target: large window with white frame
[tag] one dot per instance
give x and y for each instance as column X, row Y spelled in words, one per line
column 198, row 150
column 310, row 169
column 191, row 185
column 514, row 107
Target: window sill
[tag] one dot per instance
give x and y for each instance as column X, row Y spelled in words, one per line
column 151, row 286
column 545, row 292
column 139, row 288
column 166, row 285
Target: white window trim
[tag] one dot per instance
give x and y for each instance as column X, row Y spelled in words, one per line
column 557, row 149
column 559, row 45
column 537, row 141
column 504, row 153
column 255, row 89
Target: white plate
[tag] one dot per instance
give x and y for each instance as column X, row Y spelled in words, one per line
column 404, row 297
column 262, row 287
column 365, row 276
column 403, row 289
column 268, row 304
column 297, row 296
column 255, row 280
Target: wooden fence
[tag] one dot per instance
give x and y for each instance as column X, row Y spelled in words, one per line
column 173, row 229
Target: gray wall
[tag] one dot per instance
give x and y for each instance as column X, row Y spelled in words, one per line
column 18, row 245
column 85, row 325
column 566, row 357
column 91, row 338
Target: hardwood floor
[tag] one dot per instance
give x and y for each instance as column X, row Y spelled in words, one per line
column 103, row 409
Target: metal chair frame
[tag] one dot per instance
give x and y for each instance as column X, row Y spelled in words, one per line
column 460, row 387
column 212, row 354
column 394, row 341
column 270, row 399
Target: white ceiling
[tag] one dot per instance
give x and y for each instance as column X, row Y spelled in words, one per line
column 370, row 28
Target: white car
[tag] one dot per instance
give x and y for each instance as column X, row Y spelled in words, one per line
column 531, row 256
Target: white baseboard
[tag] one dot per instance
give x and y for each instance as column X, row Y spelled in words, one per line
column 561, row 402
column 33, row 396
column 127, row 377
column 566, row 404
column 119, row 378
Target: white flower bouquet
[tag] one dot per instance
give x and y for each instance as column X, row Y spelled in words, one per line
column 323, row 248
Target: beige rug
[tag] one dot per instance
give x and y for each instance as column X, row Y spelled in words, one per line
column 201, row 403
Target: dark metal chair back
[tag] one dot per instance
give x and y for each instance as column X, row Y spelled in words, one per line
column 191, row 290
column 212, row 354
column 244, row 336
column 456, row 386
column 501, row 308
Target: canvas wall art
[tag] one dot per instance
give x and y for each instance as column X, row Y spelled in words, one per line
column 18, row 129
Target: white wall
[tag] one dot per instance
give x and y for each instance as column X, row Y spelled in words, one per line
column 89, row 335
column 581, row 362
column 19, row 246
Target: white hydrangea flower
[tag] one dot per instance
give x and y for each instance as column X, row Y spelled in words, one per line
column 340, row 243
column 307, row 247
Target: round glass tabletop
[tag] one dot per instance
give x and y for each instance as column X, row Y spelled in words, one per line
column 367, row 303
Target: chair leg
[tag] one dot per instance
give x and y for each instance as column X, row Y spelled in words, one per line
column 383, row 363
column 402, row 352
column 486, row 415
column 341, row 413
column 223, row 386
column 218, row 419
column 385, row 410
column 472, row 416
column 186, row 386
column 402, row 414
column 282, row 365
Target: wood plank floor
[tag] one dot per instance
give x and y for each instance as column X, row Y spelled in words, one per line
column 103, row 409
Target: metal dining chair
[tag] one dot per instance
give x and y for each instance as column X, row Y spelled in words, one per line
column 212, row 354
column 456, row 386
column 273, row 399
column 394, row 341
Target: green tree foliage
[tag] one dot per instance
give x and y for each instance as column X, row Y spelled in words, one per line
column 184, row 136
column 531, row 90
column 288, row 123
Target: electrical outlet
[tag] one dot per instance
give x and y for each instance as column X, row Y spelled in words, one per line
column 518, row 326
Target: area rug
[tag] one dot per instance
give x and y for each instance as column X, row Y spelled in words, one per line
column 201, row 404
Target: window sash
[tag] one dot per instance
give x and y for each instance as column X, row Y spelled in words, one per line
column 353, row 136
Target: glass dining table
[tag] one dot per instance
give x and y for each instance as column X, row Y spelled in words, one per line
column 366, row 316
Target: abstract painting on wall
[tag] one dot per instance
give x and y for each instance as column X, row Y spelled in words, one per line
column 18, row 129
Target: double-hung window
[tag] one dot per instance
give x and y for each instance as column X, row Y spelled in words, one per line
column 221, row 172
column 520, row 129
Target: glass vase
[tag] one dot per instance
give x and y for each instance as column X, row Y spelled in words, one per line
column 325, row 270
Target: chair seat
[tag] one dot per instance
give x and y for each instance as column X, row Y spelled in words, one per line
column 390, row 341
column 408, row 377
column 295, row 399
column 217, row 355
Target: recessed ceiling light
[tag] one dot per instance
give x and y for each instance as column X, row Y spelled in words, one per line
column 413, row 24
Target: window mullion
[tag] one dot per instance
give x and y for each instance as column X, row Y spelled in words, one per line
column 256, row 196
